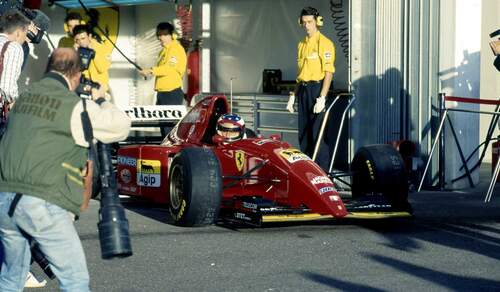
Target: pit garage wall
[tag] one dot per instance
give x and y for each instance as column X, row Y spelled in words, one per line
column 394, row 69
column 137, row 40
column 248, row 36
column 403, row 54
column 490, row 77
column 460, row 55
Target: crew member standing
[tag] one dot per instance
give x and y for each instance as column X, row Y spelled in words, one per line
column 169, row 69
column 316, row 55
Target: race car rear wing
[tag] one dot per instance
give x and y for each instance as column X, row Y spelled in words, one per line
column 147, row 118
column 155, row 115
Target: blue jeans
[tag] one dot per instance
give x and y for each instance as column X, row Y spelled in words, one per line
column 52, row 228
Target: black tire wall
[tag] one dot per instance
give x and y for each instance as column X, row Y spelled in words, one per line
column 380, row 169
column 201, row 187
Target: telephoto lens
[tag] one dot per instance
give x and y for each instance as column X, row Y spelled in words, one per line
column 113, row 225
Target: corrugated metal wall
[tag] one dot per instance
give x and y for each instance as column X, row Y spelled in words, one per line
column 394, row 69
column 388, row 67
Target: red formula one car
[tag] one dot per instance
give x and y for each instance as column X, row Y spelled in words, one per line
column 254, row 180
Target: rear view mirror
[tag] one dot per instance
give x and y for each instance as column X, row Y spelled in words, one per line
column 218, row 139
column 275, row 137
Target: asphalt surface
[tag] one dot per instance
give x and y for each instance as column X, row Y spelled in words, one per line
column 451, row 244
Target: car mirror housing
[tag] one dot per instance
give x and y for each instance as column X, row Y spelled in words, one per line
column 275, row 137
column 218, row 139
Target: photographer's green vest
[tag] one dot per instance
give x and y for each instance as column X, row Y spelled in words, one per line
column 38, row 156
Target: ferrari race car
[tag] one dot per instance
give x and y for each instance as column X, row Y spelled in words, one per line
column 203, row 178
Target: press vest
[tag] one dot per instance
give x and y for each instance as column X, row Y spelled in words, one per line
column 38, row 155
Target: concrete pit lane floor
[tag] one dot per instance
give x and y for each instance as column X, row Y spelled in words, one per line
column 452, row 244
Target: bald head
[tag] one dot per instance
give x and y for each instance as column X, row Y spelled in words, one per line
column 65, row 61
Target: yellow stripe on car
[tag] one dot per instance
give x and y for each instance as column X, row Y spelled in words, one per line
column 376, row 215
column 295, row 217
column 316, row 216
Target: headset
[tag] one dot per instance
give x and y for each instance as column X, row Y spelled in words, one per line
column 311, row 11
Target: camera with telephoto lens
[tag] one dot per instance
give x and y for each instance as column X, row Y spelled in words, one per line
column 113, row 224
column 86, row 56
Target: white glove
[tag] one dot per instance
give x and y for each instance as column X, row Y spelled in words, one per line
column 291, row 102
column 320, row 105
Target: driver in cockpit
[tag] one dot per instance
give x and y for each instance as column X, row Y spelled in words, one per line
column 231, row 127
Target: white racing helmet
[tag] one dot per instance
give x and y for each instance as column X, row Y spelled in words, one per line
column 231, row 127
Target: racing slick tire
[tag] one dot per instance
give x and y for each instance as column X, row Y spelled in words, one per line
column 195, row 185
column 380, row 169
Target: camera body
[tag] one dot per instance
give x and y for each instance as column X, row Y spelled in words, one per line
column 86, row 56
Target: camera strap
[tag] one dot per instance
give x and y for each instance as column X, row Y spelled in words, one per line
column 88, row 132
column 13, row 205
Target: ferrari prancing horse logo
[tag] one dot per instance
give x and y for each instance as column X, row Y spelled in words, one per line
column 239, row 158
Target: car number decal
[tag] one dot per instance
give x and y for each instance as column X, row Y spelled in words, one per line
column 148, row 173
column 293, row 155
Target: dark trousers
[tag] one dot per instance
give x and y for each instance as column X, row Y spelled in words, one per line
column 310, row 123
column 174, row 97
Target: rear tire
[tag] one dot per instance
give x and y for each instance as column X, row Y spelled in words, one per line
column 380, row 169
column 195, row 185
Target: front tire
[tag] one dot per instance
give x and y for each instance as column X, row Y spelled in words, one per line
column 195, row 185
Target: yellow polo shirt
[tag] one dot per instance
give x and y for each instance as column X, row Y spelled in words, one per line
column 99, row 66
column 170, row 67
column 66, row 42
column 316, row 55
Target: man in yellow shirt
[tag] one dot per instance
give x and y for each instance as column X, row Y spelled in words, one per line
column 169, row 69
column 72, row 19
column 99, row 65
column 316, row 56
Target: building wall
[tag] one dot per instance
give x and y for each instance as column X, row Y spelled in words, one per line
column 249, row 36
column 394, row 70
column 490, row 77
column 460, row 55
column 403, row 54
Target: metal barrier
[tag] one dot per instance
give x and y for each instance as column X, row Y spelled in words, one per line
column 323, row 125
column 445, row 111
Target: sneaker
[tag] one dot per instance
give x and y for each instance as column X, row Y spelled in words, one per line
column 32, row 282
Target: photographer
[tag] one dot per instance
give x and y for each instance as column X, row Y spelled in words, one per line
column 99, row 65
column 43, row 155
